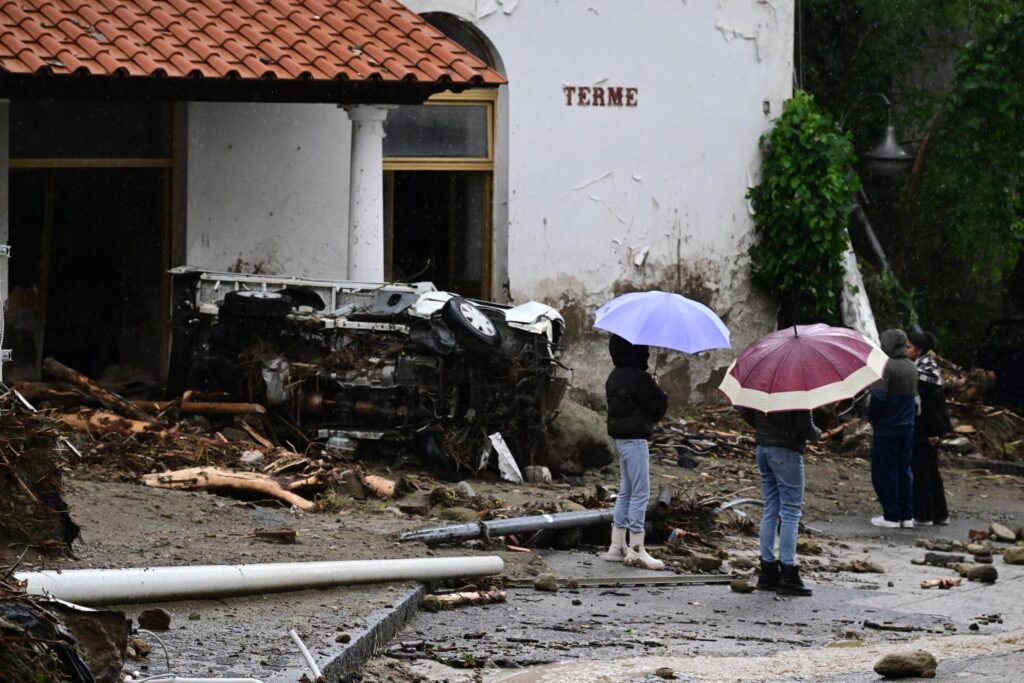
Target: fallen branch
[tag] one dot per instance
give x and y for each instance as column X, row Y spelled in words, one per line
column 941, row 584
column 203, row 478
column 202, row 408
column 108, row 398
column 102, row 422
column 436, row 603
column 379, row 486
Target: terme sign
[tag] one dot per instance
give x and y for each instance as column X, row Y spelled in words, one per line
column 599, row 96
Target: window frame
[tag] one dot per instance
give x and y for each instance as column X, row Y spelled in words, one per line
column 475, row 97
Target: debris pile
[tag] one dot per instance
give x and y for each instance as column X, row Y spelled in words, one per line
column 33, row 453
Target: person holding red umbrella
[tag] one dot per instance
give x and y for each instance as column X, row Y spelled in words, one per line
column 776, row 382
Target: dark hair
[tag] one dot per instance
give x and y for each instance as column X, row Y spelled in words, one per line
column 922, row 341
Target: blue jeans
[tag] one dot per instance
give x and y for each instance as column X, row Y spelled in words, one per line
column 782, row 485
column 890, row 474
column 634, row 484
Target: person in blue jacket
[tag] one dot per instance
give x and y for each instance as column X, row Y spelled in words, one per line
column 892, row 409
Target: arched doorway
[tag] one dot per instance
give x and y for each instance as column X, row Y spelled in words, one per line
column 440, row 164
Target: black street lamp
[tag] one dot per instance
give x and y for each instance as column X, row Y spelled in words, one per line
column 888, row 158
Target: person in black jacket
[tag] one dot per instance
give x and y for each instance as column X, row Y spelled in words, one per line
column 635, row 404
column 929, row 497
column 781, row 438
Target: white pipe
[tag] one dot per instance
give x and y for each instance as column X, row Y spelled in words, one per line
column 168, row 678
column 305, row 655
column 157, row 584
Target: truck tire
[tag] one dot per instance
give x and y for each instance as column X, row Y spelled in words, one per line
column 470, row 324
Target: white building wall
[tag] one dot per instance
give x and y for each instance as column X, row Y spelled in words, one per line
column 268, row 188
column 601, row 200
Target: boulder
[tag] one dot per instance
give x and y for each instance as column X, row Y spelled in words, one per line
column 546, row 582
column 580, row 438
column 740, row 586
column 913, row 664
column 1014, row 555
column 154, row 619
column 1002, row 533
column 983, row 573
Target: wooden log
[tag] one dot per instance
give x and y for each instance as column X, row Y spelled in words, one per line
column 108, row 398
column 379, row 486
column 202, row 408
column 942, row 584
column 204, row 478
column 435, row 603
column 102, row 422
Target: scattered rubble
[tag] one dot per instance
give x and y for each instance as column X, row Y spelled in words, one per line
column 913, row 664
column 984, row 573
column 1014, row 555
column 740, row 586
column 546, row 582
column 154, row 619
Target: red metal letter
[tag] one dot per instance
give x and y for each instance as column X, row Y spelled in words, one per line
column 631, row 97
column 614, row 97
column 583, row 96
column 568, row 90
column 598, row 96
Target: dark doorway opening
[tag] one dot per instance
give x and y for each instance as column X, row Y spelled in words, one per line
column 87, row 277
column 439, row 229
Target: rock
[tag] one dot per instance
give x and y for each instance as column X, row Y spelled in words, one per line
column 702, row 562
column 961, row 568
column 985, row 573
column 154, row 619
column 570, row 506
column 913, row 664
column 138, row 647
column 666, row 673
column 353, row 484
column 572, row 584
column 546, row 582
column 579, row 436
column 942, row 559
column 342, row 638
column 418, row 503
column 978, row 548
column 576, row 602
column 1014, row 555
column 537, row 474
column 251, row 457
column 194, row 616
column 808, row 546
column 460, row 514
column 983, row 557
column 742, row 563
column 740, row 586
column 959, row 444
column 464, row 491
column 1020, row 533
column 1002, row 533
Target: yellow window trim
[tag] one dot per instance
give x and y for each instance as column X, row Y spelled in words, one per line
column 477, row 97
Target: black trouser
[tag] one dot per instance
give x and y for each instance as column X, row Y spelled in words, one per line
column 929, row 494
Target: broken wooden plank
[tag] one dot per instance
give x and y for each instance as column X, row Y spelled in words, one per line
column 108, row 398
column 102, row 422
column 379, row 486
column 203, row 478
column 436, row 603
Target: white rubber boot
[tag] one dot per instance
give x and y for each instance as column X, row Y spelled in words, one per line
column 636, row 556
column 617, row 550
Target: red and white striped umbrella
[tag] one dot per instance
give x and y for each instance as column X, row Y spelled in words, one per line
column 803, row 367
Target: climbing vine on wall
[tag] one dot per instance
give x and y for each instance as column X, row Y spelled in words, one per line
column 807, row 186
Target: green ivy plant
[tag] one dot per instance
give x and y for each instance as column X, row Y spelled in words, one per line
column 801, row 207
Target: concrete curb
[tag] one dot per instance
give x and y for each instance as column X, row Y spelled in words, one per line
column 382, row 626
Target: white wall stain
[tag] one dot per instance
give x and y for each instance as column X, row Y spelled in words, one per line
column 587, row 183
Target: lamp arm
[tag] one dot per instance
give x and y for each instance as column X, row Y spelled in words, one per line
column 861, row 98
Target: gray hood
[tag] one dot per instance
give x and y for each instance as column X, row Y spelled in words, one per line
column 894, row 343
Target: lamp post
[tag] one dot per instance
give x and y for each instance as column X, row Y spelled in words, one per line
column 888, row 160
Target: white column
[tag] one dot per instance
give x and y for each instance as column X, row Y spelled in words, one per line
column 366, row 194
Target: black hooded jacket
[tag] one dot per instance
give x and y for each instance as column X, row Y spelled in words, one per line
column 635, row 402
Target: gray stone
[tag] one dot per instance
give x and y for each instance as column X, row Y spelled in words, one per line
column 666, row 673
column 912, row 664
column 985, row 573
column 460, row 514
column 546, row 582
column 537, row 474
column 742, row 563
column 154, row 619
column 1014, row 555
column 580, row 437
column 702, row 562
column 464, row 490
column 1002, row 533
column 740, row 586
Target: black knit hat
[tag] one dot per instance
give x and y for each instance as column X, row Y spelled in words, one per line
column 922, row 341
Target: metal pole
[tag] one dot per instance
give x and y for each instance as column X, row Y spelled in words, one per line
column 504, row 527
column 156, row 584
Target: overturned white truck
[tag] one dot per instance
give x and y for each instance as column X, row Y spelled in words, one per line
column 373, row 366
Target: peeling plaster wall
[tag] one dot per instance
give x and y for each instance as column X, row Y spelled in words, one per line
column 268, row 188
column 604, row 200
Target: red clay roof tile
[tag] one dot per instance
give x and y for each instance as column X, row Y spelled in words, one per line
column 354, row 40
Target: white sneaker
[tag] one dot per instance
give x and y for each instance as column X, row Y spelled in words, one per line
column 636, row 555
column 918, row 522
column 617, row 550
column 883, row 522
column 908, row 524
